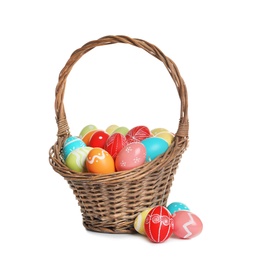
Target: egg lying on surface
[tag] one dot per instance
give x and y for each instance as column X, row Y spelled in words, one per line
column 176, row 206
column 76, row 159
column 140, row 220
column 99, row 161
column 186, row 224
column 155, row 146
column 130, row 156
column 71, row 143
column 159, row 224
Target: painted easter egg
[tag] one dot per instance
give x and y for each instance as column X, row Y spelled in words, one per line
column 158, row 130
column 115, row 143
column 99, row 161
column 137, row 134
column 130, row 156
column 111, row 128
column 87, row 136
column 159, row 224
column 98, row 139
column 76, row 159
column 140, row 220
column 186, row 224
column 122, row 129
column 71, row 144
column 167, row 136
column 176, row 206
column 155, row 146
column 87, row 129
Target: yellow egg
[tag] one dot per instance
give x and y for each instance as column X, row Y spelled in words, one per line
column 140, row 220
column 167, row 136
column 111, row 128
column 158, row 130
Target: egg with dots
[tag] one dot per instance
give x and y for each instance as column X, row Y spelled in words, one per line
column 186, row 224
column 140, row 220
column 159, row 224
column 99, row 161
column 137, row 134
column 98, row 139
column 76, row 159
column 176, row 206
column 155, row 146
column 130, row 156
column 114, row 144
column 70, row 144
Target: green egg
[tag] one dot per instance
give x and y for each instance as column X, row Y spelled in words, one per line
column 87, row 129
column 122, row 130
column 76, row 159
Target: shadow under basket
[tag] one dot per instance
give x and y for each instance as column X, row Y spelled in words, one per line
column 110, row 202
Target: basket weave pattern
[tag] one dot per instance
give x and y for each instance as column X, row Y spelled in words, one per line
column 111, row 202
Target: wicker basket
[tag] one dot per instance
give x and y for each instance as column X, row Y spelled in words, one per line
column 110, row 202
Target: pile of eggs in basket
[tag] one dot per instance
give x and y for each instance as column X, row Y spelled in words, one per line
column 114, row 149
column 159, row 223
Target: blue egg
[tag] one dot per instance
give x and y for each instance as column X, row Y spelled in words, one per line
column 176, row 206
column 71, row 143
column 155, row 146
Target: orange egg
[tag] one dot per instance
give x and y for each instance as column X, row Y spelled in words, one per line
column 99, row 161
column 87, row 136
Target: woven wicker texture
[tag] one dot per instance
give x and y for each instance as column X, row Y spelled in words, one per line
column 111, row 202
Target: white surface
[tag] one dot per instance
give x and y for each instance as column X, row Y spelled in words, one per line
column 211, row 43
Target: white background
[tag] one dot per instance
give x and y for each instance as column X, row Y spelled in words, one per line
column 211, row 43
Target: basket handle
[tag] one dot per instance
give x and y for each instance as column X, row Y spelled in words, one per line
column 63, row 128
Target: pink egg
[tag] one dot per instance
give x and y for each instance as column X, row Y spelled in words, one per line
column 159, row 224
column 138, row 134
column 98, row 139
column 186, row 224
column 131, row 156
column 115, row 143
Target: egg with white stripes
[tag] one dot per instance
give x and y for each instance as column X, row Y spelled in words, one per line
column 99, row 161
column 159, row 224
column 186, row 224
column 140, row 220
column 76, row 159
column 71, row 143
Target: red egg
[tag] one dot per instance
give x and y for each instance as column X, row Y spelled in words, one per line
column 159, row 224
column 114, row 144
column 98, row 139
column 186, row 224
column 131, row 156
column 138, row 134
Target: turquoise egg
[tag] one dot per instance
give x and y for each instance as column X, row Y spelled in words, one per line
column 155, row 146
column 176, row 206
column 71, row 143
